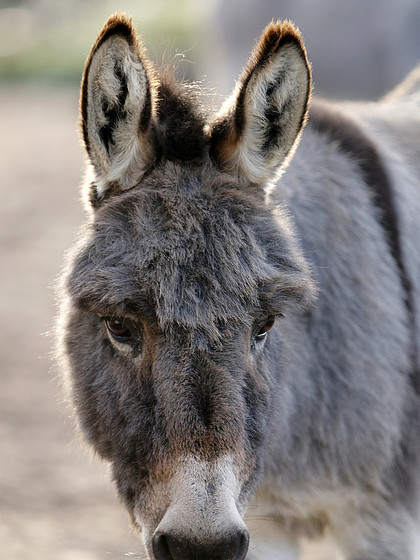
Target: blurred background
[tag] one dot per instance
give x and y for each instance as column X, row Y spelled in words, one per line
column 56, row 500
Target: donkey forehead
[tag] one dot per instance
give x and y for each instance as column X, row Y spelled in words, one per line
column 196, row 253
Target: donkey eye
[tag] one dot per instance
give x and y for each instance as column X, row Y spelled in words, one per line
column 263, row 330
column 119, row 328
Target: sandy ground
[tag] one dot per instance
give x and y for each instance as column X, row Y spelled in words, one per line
column 56, row 501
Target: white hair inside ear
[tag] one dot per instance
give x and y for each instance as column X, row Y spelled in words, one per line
column 258, row 128
column 116, row 108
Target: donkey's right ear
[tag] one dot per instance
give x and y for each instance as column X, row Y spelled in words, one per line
column 116, row 109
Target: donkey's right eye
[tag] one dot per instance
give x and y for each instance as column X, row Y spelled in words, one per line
column 119, row 328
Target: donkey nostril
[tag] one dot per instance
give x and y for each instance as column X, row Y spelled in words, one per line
column 232, row 547
column 160, row 548
column 179, row 549
column 243, row 546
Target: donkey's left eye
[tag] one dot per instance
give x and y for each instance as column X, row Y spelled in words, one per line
column 263, row 330
column 119, row 328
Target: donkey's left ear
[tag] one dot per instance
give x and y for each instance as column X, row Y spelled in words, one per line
column 117, row 108
column 258, row 128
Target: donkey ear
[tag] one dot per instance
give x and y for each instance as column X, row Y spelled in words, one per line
column 116, row 108
column 257, row 129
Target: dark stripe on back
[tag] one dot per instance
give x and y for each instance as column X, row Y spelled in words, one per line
column 353, row 142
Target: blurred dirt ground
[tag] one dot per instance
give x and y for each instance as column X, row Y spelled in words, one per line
column 56, row 500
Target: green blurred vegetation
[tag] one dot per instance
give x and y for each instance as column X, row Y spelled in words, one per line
column 49, row 40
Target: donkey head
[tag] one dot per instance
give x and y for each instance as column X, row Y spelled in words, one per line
column 180, row 273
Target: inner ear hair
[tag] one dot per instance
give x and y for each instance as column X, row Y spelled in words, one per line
column 258, row 127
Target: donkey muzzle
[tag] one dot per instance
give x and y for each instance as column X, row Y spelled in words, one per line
column 202, row 521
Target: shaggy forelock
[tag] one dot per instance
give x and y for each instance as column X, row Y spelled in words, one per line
column 181, row 119
column 191, row 249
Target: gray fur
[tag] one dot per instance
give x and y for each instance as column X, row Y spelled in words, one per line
column 316, row 427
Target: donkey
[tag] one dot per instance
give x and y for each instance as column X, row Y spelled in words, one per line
column 240, row 347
